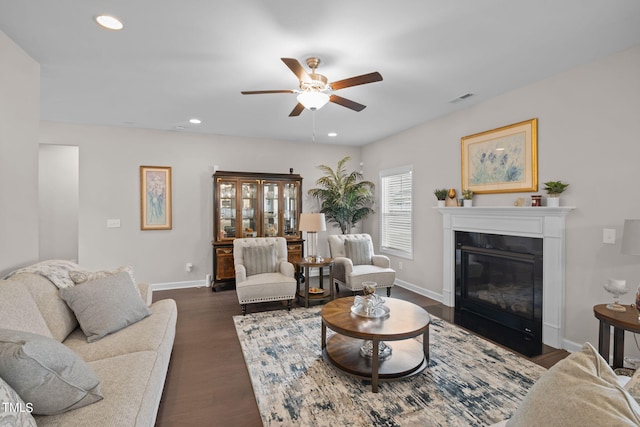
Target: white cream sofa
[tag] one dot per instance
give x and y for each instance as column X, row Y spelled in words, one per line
column 131, row 363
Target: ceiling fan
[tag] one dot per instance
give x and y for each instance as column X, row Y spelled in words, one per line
column 314, row 90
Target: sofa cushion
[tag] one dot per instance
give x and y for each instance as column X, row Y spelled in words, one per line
column 259, row 259
column 579, row 390
column 13, row 410
column 358, row 251
column 57, row 314
column 132, row 385
column 105, row 305
column 19, row 311
column 45, row 373
column 146, row 335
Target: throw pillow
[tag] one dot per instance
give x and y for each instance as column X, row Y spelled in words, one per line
column 579, row 390
column 81, row 276
column 45, row 373
column 106, row 305
column 13, row 410
column 259, row 259
column 358, row 251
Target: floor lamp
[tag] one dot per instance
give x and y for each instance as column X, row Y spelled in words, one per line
column 312, row 223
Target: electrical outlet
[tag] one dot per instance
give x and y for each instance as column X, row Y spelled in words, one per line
column 400, row 265
column 189, row 267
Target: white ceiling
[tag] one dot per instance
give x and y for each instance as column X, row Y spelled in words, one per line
column 191, row 58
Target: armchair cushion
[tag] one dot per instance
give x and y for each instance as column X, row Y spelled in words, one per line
column 358, row 251
column 259, row 259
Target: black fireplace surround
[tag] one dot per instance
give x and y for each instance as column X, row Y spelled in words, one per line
column 498, row 288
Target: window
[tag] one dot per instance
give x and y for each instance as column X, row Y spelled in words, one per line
column 396, row 225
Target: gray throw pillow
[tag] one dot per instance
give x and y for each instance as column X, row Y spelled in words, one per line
column 358, row 251
column 259, row 259
column 105, row 305
column 13, row 410
column 45, row 373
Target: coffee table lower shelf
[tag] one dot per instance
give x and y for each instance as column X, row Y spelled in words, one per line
column 406, row 360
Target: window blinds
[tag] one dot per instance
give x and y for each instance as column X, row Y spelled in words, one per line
column 396, row 216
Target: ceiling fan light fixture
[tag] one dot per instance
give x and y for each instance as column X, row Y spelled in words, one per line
column 109, row 22
column 313, row 100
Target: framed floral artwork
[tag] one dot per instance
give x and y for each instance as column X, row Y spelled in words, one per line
column 155, row 198
column 503, row 160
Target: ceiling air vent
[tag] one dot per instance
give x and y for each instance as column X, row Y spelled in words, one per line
column 461, row 98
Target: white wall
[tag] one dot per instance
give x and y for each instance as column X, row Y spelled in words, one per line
column 589, row 136
column 58, row 201
column 19, row 116
column 110, row 189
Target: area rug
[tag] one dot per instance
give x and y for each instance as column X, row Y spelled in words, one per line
column 469, row 381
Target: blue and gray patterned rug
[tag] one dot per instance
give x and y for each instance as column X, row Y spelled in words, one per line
column 469, row 381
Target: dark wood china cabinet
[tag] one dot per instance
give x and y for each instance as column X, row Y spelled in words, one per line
column 251, row 204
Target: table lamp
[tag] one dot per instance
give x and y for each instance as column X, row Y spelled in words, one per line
column 631, row 245
column 312, row 223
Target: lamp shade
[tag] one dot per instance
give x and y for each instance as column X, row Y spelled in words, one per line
column 313, row 100
column 312, row 222
column 631, row 237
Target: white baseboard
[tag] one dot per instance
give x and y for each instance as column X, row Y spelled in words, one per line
column 178, row 285
column 571, row 346
column 418, row 290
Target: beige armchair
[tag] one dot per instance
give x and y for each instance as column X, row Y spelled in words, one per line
column 262, row 271
column 355, row 262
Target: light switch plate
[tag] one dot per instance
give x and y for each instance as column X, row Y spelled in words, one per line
column 113, row 223
column 609, row 236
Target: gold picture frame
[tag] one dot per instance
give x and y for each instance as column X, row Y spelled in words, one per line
column 502, row 160
column 155, row 198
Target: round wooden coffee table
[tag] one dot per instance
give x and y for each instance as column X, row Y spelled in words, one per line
column 404, row 321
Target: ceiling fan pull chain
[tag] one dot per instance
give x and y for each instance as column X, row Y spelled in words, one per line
column 313, row 120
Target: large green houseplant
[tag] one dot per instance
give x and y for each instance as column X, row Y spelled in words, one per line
column 345, row 198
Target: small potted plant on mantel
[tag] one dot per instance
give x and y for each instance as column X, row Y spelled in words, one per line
column 554, row 189
column 467, row 196
column 441, row 195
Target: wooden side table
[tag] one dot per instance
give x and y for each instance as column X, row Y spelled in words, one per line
column 306, row 266
column 621, row 321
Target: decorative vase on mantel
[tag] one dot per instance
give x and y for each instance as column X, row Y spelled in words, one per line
column 467, row 196
column 553, row 201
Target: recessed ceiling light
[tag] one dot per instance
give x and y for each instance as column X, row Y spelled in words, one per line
column 195, row 121
column 109, row 22
column 332, row 134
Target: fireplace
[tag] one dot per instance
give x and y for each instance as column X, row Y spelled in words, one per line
column 498, row 288
column 544, row 224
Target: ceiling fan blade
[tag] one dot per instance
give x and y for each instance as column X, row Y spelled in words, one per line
column 259, row 92
column 347, row 103
column 297, row 69
column 299, row 108
column 355, row 81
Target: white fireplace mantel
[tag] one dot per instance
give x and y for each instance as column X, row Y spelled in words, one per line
column 546, row 223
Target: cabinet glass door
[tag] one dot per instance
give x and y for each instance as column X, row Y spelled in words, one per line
column 270, row 207
column 250, row 209
column 290, row 208
column 226, row 209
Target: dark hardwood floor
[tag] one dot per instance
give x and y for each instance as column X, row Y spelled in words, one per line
column 208, row 382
